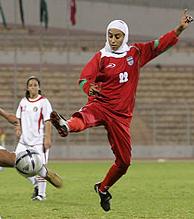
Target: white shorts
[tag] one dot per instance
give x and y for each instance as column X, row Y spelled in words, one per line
column 39, row 148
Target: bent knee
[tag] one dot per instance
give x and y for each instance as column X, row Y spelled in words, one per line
column 123, row 166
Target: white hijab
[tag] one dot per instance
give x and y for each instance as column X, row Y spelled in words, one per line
column 122, row 26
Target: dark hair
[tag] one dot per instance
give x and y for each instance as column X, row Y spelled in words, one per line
column 29, row 79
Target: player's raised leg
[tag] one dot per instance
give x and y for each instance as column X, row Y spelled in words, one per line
column 59, row 123
column 53, row 178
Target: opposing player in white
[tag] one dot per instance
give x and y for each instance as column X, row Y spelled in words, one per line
column 34, row 129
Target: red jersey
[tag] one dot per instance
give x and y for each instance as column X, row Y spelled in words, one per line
column 117, row 74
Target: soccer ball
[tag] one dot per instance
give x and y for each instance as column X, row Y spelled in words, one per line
column 28, row 162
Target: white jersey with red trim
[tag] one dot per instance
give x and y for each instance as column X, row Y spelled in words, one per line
column 33, row 114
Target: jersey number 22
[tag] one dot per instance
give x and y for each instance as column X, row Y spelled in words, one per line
column 123, row 76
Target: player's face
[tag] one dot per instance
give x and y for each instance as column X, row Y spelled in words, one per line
column 115, row 38
column 33, row 88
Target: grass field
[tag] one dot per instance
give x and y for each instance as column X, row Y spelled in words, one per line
column 149, row 190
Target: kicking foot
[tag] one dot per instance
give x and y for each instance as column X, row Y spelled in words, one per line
column 53, row 178
column 60, row 124
column 105, row 197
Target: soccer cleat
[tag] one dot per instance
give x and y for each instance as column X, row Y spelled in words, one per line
column 53, row 178
column 59, row 123
column 35, row 193
column 105, row 197
column 39, row 198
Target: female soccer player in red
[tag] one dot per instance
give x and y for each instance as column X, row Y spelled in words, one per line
column 110, row 80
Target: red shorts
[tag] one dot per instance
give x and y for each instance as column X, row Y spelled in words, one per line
column 118, row 129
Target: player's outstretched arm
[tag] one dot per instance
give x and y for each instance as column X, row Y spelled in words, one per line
column 11, row 118
column 185, row 20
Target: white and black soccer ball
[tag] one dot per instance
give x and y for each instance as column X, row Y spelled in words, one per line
column 28, row 162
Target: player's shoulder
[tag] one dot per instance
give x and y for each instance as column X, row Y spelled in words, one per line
column 24, row 99
column 97, row 55
column 134, row 46
column 42, row 97
column 44, row 100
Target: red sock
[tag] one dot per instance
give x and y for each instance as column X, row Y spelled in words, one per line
column 76, row 124
column 113, row 175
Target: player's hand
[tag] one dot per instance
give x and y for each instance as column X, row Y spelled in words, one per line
column 94, row 89
column 47, row 144
column 18, row 131
column 185, row 19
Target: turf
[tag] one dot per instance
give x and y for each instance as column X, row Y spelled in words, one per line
column 149, row 190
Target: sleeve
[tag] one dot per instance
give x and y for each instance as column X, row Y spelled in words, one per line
column 19, row 110
column 89, row 73
column 46, row 110
column 152, row 49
